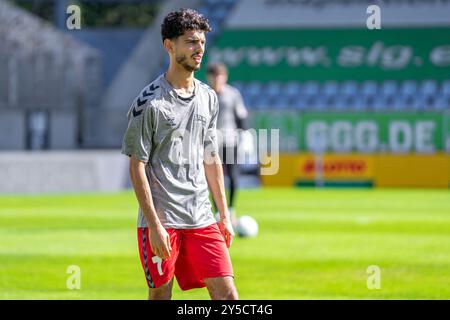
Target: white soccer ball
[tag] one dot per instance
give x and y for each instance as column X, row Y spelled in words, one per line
column 246, row 226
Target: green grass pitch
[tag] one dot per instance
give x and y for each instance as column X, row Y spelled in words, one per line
column 313, row 244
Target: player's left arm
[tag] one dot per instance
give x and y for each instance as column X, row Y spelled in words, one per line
column 214, row 177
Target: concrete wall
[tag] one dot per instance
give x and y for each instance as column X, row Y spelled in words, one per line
column 12, row 130
column 63, row 171
column 61, row 129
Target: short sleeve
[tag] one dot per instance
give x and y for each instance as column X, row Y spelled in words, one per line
column 137, row 141
column 210, row 143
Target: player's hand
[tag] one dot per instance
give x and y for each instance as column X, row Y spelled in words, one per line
column 226, row 229
column 160, row 242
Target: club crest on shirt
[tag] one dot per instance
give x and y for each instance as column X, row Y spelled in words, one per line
column 171, row 121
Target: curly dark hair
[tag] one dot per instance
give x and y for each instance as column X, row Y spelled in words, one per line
column 176, row 23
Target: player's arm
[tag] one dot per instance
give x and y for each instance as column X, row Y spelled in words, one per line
column 158, row 236
column 240, row 111
column 214, row 177
column 137, row 144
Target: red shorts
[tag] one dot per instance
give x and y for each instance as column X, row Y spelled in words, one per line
column 196, row 254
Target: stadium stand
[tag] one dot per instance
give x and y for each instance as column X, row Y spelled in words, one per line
column 408, row 95
column 113, row 74
column 378, row 92
column 47, row 81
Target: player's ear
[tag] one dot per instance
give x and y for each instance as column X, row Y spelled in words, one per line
column 168, row 45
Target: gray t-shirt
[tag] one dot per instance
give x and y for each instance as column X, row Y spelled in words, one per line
column 171, row 134
column 231, row 110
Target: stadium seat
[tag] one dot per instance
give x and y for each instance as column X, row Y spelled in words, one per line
column 349, row 88
column 352, row 102
column 369, row 88
column 310, row 102
column 254, row 88
column 386, row 98
column 320, row 103
column 280, row 102
column 292, row 89
column 409, row 102
column 441, row 103
column 262, row 102
column 408, row 88
column 311, row 89
column 429, row 88
column 360, row 103
column 272, row 89
column 298, row 103
column 399, row 103
column 349, row 96
column 328, row 94
column 429, row 101
column 330, row 88
column 340, row 103
column 369, row 102
column 330, row 101
column 421, row 102
column 382, row 103
column 247, row 95
column 369, row 93
column 248, row 101
column 389, row 88
column 445, row 88
column 349, row 91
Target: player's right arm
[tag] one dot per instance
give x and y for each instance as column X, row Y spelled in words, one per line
column 158, row 236
column 137, row 144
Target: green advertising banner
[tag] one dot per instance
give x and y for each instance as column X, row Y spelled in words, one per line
column 338, row 54
column 358, row 132
column 287, row 122
column 446, row 131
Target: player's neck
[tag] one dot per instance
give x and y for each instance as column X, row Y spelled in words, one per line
column 180, row 79
column 219, row 89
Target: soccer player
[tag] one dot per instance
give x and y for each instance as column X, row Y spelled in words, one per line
column 172, row 144
column 232, row 116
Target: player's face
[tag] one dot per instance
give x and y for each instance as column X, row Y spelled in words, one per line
column 217, row 81
column 189, row 48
